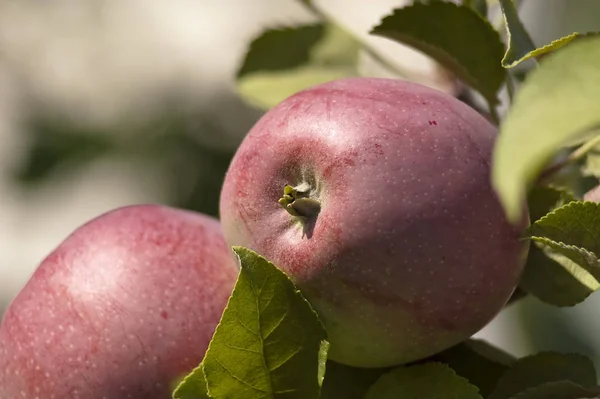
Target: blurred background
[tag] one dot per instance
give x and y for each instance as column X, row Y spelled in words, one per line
column 105, row 103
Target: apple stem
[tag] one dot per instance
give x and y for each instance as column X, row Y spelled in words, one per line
column 297, row 202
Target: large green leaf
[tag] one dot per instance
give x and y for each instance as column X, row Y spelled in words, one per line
column 555, row 279
column 456, row 36
column 558, row 102
column 585, row 259
column 576, row 223
column 281, row 62
column 563, row 267
column 430, row 380
column 545, row 367
column 544, row 277
column 269, row 343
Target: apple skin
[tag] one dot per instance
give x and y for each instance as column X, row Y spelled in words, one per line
column 410, row 252
column 593, row 195
column 123, row 308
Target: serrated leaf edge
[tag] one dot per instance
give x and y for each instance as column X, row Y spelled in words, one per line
column 551, row 214
column 547, row 241
column 509, row 12
column 561, row 305
column 565, row 304
column 297, row 292
column 553, row 46
column 549, row 47
column 186, row 378
column 275, row 28
column 455, row 375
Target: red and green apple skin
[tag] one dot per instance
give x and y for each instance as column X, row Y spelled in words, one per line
column 123, row 308
column 394, row 233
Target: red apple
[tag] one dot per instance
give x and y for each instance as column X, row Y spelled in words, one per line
column 387, row 223
column 121, row 309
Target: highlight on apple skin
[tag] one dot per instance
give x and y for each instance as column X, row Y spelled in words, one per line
column 374, row 195
column 123, row 308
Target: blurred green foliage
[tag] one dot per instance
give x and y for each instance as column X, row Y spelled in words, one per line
column 170, row 143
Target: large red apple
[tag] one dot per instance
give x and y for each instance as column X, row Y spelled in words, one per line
column 374, row 195
column 121, row 309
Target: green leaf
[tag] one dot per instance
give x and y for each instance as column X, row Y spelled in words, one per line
column 345, row 382
column 580, row 256
column 565, row 269
column 273, row 50
column 516, row 57
column 512, row 60
column 479, row 362
column 559, row 390
column 193, row 386
column 519, row 41
column 57, row 144
column 431, row 381
column 576, row 223
column 545, row 367
column 270, row 342
column 559, row 101
column 281, row 62
column 545, row 278
column 457, row 37
column 544, row 199
column 555, row 279
column 480, row 6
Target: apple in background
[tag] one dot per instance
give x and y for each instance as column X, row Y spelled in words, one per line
column 592, row 195
column 374, row 195
column 123, row 308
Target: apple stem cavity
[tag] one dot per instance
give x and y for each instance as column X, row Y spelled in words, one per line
column 297, row 202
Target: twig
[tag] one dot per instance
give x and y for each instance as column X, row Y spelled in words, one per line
column 381, row 60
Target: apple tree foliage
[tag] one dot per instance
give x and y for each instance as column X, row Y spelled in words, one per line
column 271, row 344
